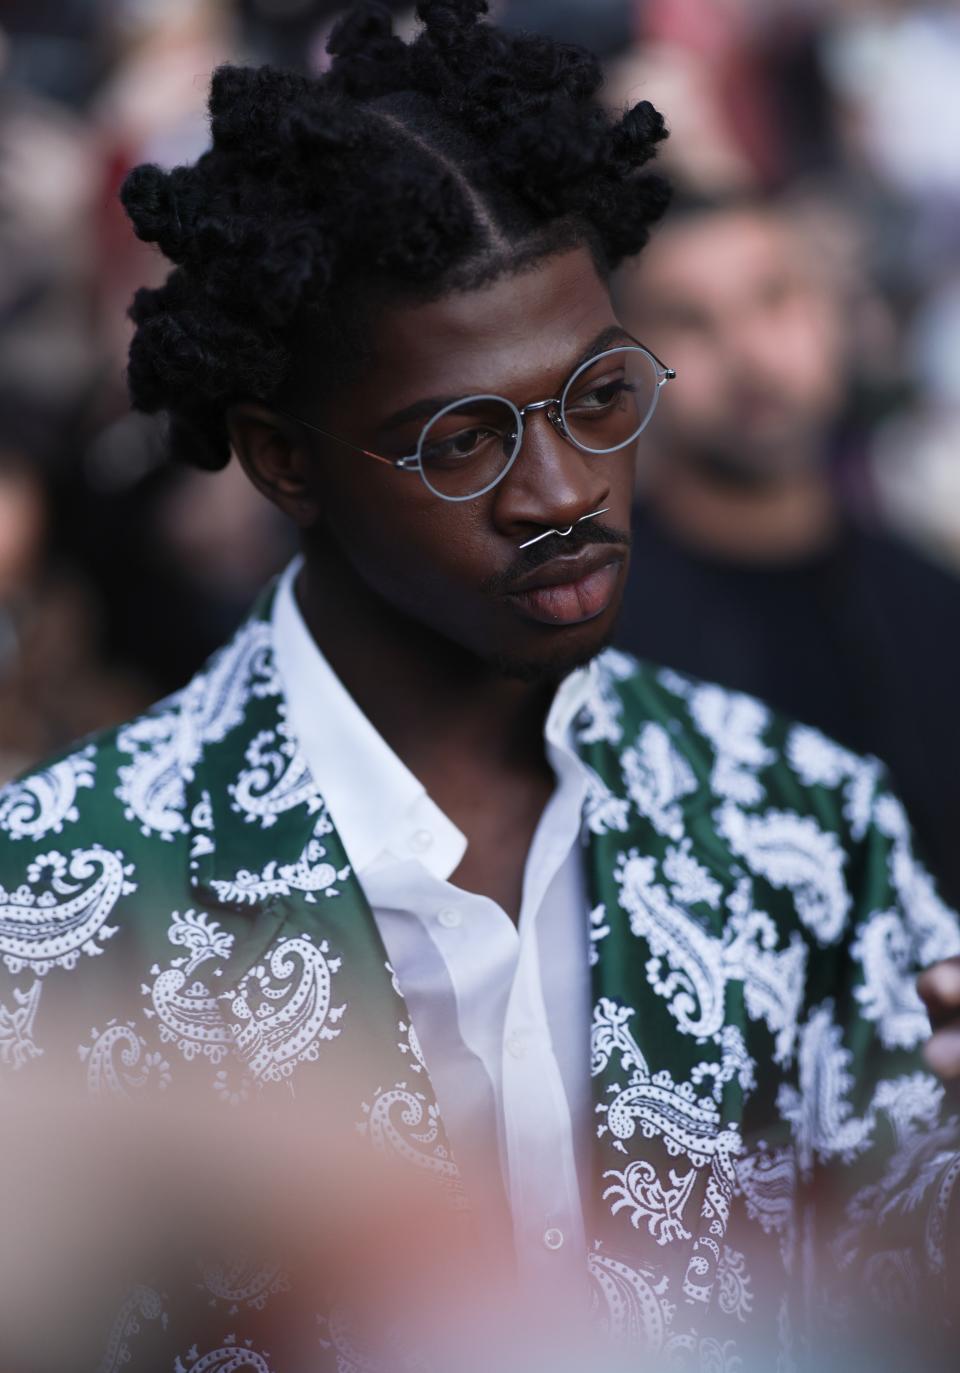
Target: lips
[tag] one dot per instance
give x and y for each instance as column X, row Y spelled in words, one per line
column 570, row 590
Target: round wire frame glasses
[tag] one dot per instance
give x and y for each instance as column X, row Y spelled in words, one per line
column 470, row 445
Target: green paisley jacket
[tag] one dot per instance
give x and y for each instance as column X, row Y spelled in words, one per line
column 174, row 896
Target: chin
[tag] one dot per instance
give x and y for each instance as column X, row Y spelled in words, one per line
column 550, row 668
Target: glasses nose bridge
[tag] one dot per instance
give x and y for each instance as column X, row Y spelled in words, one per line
column 552, row 407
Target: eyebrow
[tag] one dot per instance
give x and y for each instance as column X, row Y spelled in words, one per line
column 425, row 409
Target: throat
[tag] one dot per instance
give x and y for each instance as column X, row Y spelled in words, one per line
column 472, row 737
column 499, row 818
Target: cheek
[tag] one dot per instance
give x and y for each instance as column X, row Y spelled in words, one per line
column 809, row 357
column 400, row 539
column 21, row 530
column 623, row 476
column 434, row 556
column 699, row 389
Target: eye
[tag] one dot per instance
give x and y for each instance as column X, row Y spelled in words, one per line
column 460, row 447
column 600, row 394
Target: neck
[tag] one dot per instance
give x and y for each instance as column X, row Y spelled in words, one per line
column 438, row 707
column 786, row 519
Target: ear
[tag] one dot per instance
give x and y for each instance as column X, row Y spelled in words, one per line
column 273, row 455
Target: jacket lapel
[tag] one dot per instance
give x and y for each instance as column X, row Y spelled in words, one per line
column 300, row 978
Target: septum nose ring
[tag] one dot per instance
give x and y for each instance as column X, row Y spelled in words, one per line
column 564, row 533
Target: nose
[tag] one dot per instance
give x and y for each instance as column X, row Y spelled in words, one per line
column 552, row 483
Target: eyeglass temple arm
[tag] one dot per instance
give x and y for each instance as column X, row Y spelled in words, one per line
column 666, row 373
column 402, row 463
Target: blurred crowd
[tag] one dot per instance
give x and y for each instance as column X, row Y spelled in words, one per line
column 831, row 123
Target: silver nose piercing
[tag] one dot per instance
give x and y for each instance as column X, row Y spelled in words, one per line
column 564, row 533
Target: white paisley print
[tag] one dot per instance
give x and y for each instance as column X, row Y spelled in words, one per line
column 141, row 1306
column 177, row 908
column 186, row 1009
column 17, row 1044
column 275, row 779
column 310, row 875
column 41, row 805
column 166, row 745
column 62, row 908
column 119, row 1061
column 281, row 1012
column 231, row 1357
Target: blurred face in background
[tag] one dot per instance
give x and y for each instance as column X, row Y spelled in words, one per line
column 22, row 525
column 731, row 298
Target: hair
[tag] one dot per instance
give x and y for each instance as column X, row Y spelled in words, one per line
column 404, row 170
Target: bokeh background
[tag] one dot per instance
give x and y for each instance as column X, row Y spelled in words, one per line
column 119, row 572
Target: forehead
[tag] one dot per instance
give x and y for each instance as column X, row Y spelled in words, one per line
column 519, row 331
column 721, row 257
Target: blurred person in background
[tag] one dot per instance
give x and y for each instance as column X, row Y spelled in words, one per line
column 165, row 561
column 196, row 547
column 55, row 683
column 58, row 679
column 748, row 569
column 915, row 453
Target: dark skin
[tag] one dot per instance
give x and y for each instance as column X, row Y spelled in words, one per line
column 409, row 597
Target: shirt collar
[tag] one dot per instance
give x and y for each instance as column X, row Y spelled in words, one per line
column 572, row 694
column 379, row 807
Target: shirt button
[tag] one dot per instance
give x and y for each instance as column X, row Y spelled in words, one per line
column 421, row 840
column 450, row 920
column 516, row 1046
column 553, row 1238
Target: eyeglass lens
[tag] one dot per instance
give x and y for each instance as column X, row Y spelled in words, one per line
column 466, row 448
column 610, row 399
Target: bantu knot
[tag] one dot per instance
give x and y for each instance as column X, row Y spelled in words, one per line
column 545, row 66
column 369, row 59
column 258, row 110
column 636, row 137
column 362, row 31
column 442, row 13
column 149, row 198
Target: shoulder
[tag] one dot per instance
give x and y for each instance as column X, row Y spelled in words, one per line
column 97, row 790
column 905, row 572
column 739, row 754
column 132, row 781
column 85, row 845
column 122, row 810
column 720, row 776
column 100, row 847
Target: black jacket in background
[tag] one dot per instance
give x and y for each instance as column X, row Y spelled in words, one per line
column 862, row 641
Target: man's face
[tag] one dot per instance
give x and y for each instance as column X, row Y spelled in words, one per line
column 731, row 300
column 457, row 568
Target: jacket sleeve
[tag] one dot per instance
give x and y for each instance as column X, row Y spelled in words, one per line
column 878, row 1140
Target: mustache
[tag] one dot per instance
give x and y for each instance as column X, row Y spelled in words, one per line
column 582, row 536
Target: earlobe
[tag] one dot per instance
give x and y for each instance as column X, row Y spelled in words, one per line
column 274, row 459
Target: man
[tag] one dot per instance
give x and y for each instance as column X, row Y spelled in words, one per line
column 412, row 847
column 747, row 570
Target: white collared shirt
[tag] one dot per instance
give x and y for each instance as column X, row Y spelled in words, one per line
column 501, row 1011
